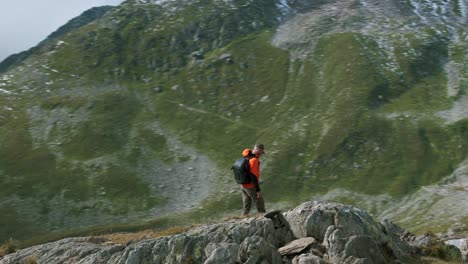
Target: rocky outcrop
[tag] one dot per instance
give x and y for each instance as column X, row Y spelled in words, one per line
column 462, row 244
column 349, row 234
column 314, row 232
column 252, row 240
column 430, row 245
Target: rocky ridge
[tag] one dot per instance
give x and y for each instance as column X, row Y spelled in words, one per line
column 314, row 232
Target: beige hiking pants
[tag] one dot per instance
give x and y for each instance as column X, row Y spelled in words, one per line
column 249, row 196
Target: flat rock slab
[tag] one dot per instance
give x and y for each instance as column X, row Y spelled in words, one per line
column 296, row 246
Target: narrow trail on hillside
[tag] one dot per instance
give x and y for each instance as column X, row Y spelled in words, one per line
column 192, row 109
column 458, row 112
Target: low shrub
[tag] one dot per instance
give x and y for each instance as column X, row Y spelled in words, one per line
column 8, row 247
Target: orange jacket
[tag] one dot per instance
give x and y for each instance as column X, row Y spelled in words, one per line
column 254, row 164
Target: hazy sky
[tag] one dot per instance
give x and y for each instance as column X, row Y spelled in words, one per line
column 25, row 23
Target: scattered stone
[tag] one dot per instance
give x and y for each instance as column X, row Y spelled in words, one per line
column 265, row 99
column 198, row 55
column 297, row 246
column 221, row 253
column 462, row 245
column 255, row 248
column 226, row 57
column 307, row 259
column 430, row 245
column 310, row 220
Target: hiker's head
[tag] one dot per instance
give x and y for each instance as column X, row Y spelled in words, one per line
column 258, row 150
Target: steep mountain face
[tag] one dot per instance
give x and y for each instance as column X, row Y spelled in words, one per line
column 141, row 112
column 82, row 20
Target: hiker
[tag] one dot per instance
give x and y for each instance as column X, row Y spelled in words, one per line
column 251, row 191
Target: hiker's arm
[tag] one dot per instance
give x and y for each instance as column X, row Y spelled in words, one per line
column 255, row 171
column 255, row 182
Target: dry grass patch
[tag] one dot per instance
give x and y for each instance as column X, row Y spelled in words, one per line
column 240, row 217
column 459, row 189
column 127, row 238
column 30, row 260
column 432, row 260
column 8, row 247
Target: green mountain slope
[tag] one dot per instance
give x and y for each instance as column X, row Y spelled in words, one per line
column 141, row 112
column 77, row 22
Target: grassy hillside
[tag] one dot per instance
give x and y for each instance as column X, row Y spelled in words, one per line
column 140, row 114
